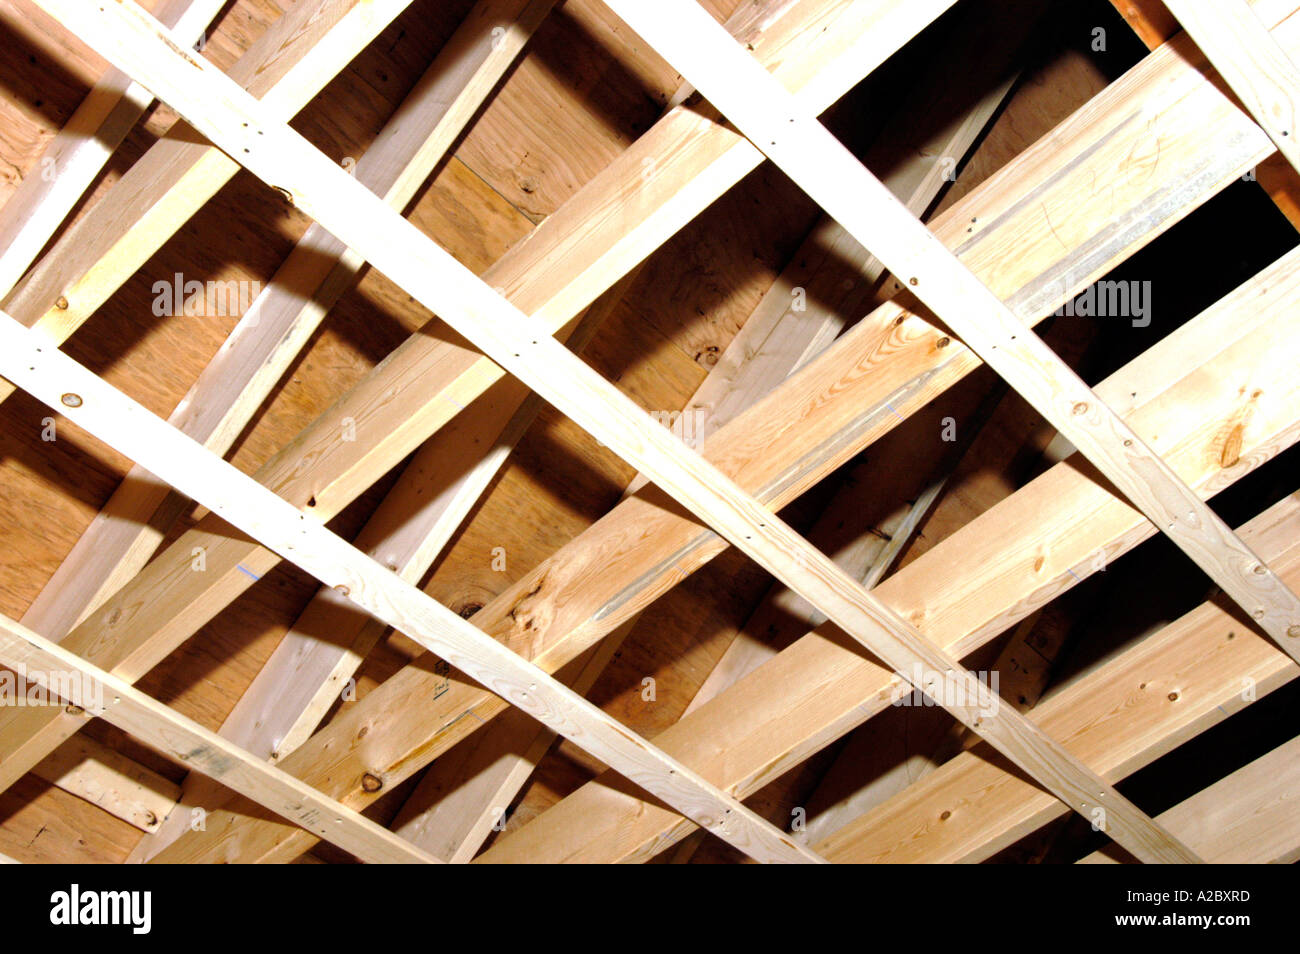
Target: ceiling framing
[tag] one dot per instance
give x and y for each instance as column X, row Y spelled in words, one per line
column 341, row 572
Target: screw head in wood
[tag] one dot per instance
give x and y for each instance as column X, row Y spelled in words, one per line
column 1080, row 408
column 61, row 303
column 1293, row 632
column 71, row 400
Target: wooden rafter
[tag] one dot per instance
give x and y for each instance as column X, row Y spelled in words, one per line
column 1246, row 55
column 816, row 160
column 785, row 338
column 105, row 695
column 41, row 203
column 288, row 65
column 278, row 155
column 572, row 257
column 1206, row 661
column 102, row 410
column 280, row 322
column 1017, row 556
column 578, row 595
column 1247, row 817
column 542, row 642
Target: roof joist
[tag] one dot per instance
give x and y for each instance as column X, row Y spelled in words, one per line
column 554, row 596
column 991, row 269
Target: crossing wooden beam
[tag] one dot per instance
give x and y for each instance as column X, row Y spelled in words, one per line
column 270, row 336
column 516, row 342
column 105, row 695
column 1245, row 54
column 890, row 364
column 820, row 164
column 996, row 570
column 777, row 338
column 286, row 66
column 30, row 217
column 579, row 252
column 31, row 363
column 1170, row 686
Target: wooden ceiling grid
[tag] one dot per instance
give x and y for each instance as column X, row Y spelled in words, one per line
column 560, row 262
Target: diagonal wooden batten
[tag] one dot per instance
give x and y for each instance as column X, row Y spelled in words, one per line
column 640, row 550
column 287, row 65
column 993, row 572
column 300, row 681
column 578, row 252
column 1120, row 713
column 70, row 163
column 456, row 806
column 31, row 363
column 105, row 695
column 1245, row 54
column 1247, row 817
column 452, row 819
column 268, row 338
column 819, row 163
column 282, row 158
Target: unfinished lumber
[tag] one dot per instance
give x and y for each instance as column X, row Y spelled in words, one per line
column 304, row 675
column 1154, row 24
column 287, row 65
column 1002, row 566
column 1150, row 20
column 1122, row 714
column 554, row 273
column 819, row 163
column 856, row 782
column 105, row 695
column 72, row 160
column 107, row 778
column 1244, row 52
column 459, row 802
column 102, row 410
column 777, row 338
column 641, row 550
column 269, row 337
column 278, row 155
column 1248, row 817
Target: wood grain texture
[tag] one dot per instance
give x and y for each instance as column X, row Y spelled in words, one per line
column 48, row 374
column 72, row 160
column 1248, row 817
column 996, row 570
column 287, row 66
column 1121, row 713
column 603, row 578
column 1244, row 53
column 282, row 158
column 824, row 168
column 553, row 271
column 104, row 777
column 276, row 328
column 102, row 694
